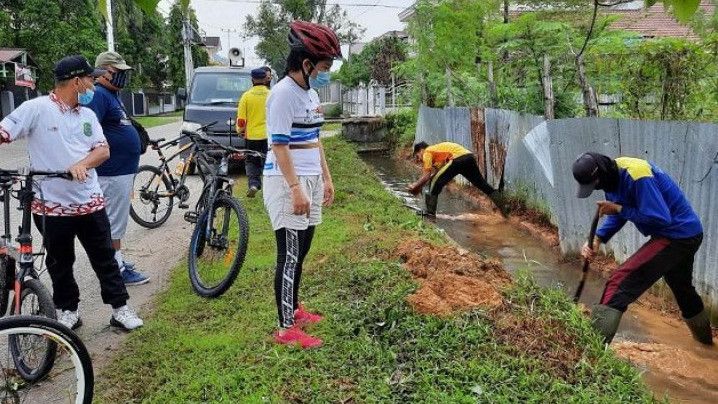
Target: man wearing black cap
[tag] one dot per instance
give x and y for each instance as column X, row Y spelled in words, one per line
column 252, row 124
column 63, row 135
column 640, row 192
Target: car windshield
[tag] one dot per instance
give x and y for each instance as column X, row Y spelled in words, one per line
column 219, row 88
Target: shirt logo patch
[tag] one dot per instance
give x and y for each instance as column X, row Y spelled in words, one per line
column 87, row 129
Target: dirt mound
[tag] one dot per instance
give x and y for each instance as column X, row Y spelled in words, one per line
column 677, row 364
column 451, row 279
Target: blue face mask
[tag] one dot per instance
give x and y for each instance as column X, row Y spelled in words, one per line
column 322, row 80
column 86, row 97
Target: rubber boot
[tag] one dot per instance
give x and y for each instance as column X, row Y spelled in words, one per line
column 430, row 201
column 700, row 327
column 605, row 320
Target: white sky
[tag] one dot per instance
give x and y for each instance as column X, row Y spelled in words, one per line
column 216, row 17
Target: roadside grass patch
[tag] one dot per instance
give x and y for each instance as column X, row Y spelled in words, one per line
column 377, row 348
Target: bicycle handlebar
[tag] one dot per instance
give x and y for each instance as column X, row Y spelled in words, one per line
column 28, row 172
column 200, row 136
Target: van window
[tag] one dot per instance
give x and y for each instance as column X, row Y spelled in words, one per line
column 219, row 88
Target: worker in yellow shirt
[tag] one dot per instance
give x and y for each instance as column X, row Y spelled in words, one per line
column 252, row 125
column 441, row 163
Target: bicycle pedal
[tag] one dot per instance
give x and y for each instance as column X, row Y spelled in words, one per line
column 191, row 217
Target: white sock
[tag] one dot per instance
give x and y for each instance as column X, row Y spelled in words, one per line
column 117, row 310
column 120, row 261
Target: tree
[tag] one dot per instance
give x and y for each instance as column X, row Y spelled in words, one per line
column 50, row 30
column 175, row 60
column 375, row 62
column 271, row 25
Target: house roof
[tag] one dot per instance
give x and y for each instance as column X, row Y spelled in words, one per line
column 657, row 22
column 14, row 54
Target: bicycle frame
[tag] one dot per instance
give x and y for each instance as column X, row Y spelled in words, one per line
column 22, row 256
column 164, row 161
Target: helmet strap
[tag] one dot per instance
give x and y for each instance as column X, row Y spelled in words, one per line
column 306, row 75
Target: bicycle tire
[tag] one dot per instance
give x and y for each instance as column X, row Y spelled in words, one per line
column 46, row 309
column 197, row 248
column 5, row 267
column 137, row 197
column 84, row 374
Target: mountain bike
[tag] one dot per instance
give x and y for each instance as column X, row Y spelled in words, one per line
column 33, row 358
column 71, row 380
column 219, row 240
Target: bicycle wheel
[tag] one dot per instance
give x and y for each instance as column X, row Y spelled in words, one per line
column 214, row 261
column 151, row 202
column 33, row 356
column 6, row 265
column 72, row 378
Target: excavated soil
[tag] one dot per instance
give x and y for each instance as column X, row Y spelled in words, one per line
column 452, row 279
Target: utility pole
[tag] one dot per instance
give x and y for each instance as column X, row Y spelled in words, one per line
column 110, row 27
column 187, row 35
column 228, row 31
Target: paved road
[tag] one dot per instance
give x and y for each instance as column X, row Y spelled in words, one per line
column 155, row 252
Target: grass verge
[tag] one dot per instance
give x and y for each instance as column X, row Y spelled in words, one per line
column 157, row 120
column 376, row 348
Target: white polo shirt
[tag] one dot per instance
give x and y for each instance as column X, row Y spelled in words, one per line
column 294, row 117
column 58, row 136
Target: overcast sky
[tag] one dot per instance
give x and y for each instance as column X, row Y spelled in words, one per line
column 218, row 16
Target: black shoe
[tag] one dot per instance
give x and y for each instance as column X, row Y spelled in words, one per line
column 500, row 201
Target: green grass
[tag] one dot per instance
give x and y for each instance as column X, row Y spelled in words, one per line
column 376, row 348
column 157, row 120
column 332, row 126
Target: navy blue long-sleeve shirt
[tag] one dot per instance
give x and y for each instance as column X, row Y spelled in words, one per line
column 652, row 201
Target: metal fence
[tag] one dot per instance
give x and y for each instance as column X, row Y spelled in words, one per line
column 534, row 156
column 363, row 100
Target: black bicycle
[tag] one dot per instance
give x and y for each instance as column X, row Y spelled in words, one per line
column 219, row 239
column 33, row 357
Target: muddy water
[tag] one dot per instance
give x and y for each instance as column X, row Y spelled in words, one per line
column 672, row 363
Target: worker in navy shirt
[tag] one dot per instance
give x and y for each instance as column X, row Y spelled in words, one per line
column 116, row 175
column 639, row 192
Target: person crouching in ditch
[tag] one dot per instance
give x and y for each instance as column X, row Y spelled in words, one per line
column 441, row 163
column 640, row 192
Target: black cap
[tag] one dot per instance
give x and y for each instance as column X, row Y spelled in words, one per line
column 259, row 74
column 585, row 171
column 75, row 66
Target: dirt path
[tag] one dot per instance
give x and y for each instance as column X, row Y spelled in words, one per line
column 155, row 252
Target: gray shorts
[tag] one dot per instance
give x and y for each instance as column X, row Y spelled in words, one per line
column 278, row 202
column 117, row 191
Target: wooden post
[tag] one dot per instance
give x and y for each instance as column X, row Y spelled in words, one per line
column 493, row 98
column 547, row 89
column 589, row 95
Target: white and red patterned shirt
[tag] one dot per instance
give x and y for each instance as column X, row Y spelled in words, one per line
column 58, row 136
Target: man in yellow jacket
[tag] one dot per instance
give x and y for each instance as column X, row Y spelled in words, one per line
column 252, row 125
column 441, row 163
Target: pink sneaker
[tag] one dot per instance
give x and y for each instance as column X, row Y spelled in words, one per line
column 295, row 335
column 303, row 317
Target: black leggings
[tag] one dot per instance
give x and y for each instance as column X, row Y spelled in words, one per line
column 464, row 165
column 292, row 248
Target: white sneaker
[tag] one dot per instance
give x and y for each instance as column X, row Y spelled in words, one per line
column 70, row 319
column 126, row 318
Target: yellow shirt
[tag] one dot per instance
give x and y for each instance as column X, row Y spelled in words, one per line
column 438, row 155
column 252, row 109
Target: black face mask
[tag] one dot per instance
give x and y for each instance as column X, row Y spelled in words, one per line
column 120, row 79
column 607, row 172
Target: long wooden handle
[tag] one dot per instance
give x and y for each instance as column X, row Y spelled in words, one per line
column 586, row 263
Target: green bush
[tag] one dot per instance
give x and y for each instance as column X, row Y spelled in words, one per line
column 334, row 111
column 401, row 127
